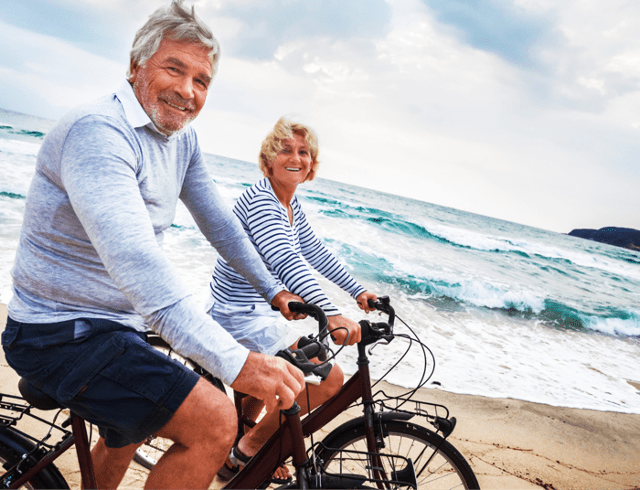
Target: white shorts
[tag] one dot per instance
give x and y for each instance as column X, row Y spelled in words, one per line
column 255, row 326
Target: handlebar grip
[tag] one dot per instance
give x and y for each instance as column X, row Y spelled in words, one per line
column 384, row 305
column 300, row 359
column 311, row 310
column 312, row 348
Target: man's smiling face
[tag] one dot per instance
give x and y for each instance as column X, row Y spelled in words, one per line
column 172, row 85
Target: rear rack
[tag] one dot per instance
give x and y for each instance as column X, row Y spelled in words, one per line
column 404, row 403
column 14, row 408
column 435, row 414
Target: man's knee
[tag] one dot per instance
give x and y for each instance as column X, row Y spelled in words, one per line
column 207, row 416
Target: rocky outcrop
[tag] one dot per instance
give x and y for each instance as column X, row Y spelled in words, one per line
column 620, row 237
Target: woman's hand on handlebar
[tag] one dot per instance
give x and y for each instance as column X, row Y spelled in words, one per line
column 363, row 301
column 339, row 326
column 281, row 301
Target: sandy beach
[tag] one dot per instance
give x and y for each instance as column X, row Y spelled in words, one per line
column 510, row 444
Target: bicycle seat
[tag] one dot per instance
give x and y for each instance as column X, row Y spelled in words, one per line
column 35, row 397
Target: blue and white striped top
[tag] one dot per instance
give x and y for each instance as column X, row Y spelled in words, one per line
column 282, row 247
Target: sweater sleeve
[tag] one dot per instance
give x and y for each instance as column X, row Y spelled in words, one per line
column 267, row 223
column 321, row 259
column 222, row 228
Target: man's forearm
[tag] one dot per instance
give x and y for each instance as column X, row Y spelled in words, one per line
column 195, row 335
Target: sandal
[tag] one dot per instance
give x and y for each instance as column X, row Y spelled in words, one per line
column 237, row 458
column 226, row 473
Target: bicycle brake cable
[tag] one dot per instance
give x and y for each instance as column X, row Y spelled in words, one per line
column 424, row 348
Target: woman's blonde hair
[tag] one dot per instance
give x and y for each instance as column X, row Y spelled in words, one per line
column 284, row 130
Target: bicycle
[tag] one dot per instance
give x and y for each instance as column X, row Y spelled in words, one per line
column 381, row 448
column 28, row 461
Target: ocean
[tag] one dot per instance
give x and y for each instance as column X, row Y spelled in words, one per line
column 507, row 310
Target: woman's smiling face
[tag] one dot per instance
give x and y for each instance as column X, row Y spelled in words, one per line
column 293, row 163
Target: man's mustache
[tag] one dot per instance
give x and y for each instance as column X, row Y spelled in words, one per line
column 175, row 99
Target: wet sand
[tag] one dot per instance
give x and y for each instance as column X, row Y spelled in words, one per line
column 510, row 444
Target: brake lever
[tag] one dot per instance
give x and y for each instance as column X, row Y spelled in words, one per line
column 299, row 359
column 312, row 379
column 313, row 348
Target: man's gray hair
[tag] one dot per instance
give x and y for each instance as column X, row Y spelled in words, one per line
column 180, row 24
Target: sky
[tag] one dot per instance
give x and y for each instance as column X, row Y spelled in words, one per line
column 523, row 110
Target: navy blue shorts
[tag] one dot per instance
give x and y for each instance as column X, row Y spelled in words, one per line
column 107, row 374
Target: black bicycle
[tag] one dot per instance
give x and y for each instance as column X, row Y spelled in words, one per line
column 28, row 461
column 384, row 448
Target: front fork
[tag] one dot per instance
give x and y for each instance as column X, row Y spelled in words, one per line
column 374, row 444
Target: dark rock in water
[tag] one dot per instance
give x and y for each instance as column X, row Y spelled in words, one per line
column 620, row 237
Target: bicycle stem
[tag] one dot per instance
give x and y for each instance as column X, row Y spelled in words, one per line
column 292, row 416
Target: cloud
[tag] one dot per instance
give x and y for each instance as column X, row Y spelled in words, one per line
column 526, row 110
column 260, row 27
column 423, row 113
column 46, row 76
column 497, row 26
column 92, row 25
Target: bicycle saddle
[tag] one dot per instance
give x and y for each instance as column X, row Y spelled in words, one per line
column 36, row 397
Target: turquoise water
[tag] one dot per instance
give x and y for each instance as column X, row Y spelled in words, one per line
column 508, row 310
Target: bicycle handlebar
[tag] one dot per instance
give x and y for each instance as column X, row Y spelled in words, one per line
column 311, row 310
column 308, row 309
column 307, row 348
column 372, row 332
column 383, row 304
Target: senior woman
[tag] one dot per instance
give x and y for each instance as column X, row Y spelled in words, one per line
column 273, row 218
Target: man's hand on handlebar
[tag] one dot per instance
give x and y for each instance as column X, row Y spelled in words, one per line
column 339, row 326
column 271, row 379
column 281, row 302
column 363, row 301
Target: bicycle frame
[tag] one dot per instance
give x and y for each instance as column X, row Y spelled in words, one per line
column 78, row 436
column 289, row 438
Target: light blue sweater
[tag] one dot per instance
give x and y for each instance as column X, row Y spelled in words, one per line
column 106, row 187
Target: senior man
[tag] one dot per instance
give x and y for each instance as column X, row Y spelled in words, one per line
column 90, row 277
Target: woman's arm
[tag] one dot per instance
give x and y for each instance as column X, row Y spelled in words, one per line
column 268, row 225
column 320, row 258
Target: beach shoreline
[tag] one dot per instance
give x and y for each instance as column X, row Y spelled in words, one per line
column 510, row 444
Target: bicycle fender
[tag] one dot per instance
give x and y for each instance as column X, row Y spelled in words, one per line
column 391, row 415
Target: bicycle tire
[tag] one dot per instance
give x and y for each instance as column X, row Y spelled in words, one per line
column 437, row 463
column 152, row 450
column 13, row 446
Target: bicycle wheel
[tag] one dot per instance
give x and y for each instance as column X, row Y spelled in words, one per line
column 12, row 447
column 412, row 456
column 152, row 450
